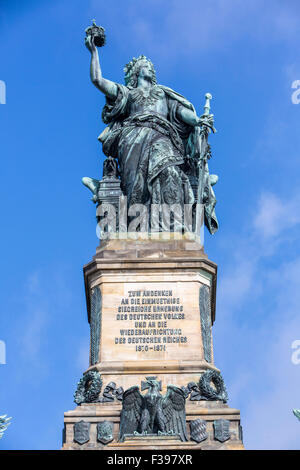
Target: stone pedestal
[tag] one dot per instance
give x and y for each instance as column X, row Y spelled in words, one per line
column 151, row 306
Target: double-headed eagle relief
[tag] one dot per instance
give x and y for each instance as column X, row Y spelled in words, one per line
column 153, row 413
column 157, row 139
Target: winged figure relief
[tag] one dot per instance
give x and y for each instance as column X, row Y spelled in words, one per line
column 153, row 413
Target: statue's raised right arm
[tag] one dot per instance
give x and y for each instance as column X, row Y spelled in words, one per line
column 107, row 87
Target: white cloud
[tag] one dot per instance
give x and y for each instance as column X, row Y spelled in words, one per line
column 275, row 215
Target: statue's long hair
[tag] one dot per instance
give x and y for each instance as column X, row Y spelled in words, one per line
column 132, row 70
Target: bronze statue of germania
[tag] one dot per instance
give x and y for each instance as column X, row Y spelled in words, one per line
column 155, row 134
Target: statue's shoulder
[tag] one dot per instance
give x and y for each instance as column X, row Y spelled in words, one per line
column 170, row 91
column 176, row 96
column 123, row 88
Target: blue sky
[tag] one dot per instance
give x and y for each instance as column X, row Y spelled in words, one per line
column 245, row 52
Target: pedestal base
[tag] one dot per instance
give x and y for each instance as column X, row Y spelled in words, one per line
column 151, row 307
column 209, row 412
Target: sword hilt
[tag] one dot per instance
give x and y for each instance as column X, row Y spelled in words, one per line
column 206, row 113
column 208, row 97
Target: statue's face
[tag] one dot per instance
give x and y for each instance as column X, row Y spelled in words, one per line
column 145, row 70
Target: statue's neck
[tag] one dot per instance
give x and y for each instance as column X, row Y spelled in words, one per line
column 144, row 83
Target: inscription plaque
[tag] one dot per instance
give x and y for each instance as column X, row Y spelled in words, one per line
column 155, row 321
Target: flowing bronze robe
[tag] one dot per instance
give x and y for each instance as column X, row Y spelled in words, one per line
column 147, row 137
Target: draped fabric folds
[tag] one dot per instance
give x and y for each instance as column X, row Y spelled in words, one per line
column 150, row 145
